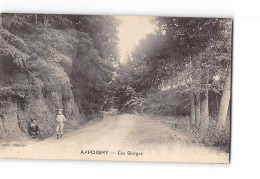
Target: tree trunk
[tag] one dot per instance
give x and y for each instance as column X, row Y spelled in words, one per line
column 216, row 100
column 204, row 110
column 192, row 109
column 213, row 105
column 45, row 22
column 224, row 102
column 35, row 20
column 197, row 108
column 204, row 103
column 197, row 76
column 0, row 20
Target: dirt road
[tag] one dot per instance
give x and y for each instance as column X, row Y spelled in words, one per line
column 122, row 137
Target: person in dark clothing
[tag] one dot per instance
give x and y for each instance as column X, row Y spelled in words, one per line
column 33, row 128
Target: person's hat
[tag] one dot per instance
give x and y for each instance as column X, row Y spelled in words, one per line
column 33, row 119
column 60, row 110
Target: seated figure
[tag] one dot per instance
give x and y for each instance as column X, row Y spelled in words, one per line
column 33, row 128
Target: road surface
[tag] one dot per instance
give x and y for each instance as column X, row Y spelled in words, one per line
column 119, row 138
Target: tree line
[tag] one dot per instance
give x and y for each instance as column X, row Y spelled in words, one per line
column 190, row 56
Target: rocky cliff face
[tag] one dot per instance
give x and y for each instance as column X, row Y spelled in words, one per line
column 24, row 96
column 34, row 83
column 49, row 62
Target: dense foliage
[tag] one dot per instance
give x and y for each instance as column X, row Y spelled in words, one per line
column 184, row 69
column 71, row 62
column 57, row 51
column 49, row 62
column 186, row 56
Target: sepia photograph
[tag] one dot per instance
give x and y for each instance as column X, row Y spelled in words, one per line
column 115, row 88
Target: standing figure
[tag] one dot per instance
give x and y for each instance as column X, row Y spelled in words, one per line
column 60, row 123
column 33, row 128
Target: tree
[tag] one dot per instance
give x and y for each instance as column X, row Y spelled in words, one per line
column 224, row 103
column 69, row 55
column 186, row 54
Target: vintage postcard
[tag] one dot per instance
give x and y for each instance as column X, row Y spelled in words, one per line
column 116, row 88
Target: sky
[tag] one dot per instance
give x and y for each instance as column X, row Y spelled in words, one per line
column 131, row 30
